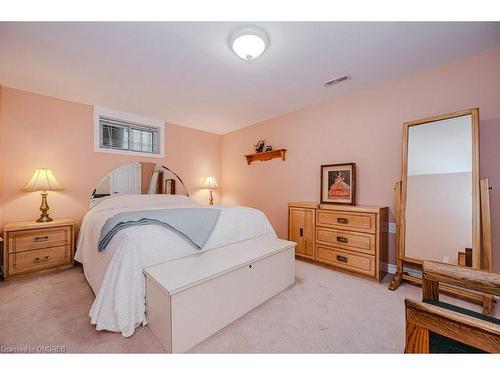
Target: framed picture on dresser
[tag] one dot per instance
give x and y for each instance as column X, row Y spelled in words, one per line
column 338, row 183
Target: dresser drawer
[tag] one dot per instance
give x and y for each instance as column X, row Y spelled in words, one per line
column 24, row 240
column 345, row 259
column 34, row 260
column 355, row 241
column 357, row 221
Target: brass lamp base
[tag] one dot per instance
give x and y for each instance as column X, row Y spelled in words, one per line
column 44, row 207
column 211, row 198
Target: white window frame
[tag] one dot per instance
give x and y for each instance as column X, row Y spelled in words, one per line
column 128, row 117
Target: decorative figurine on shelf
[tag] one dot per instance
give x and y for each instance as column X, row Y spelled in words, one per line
column 269, row 148
column 259, row 147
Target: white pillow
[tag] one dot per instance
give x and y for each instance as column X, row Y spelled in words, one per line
column 140, row 200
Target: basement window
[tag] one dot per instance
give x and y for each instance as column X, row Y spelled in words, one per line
column 124, row 133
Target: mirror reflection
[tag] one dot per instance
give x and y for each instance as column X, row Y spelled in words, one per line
column 138, row 178
column 439, row 190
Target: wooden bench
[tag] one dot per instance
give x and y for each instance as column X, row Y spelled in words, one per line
column 191, row 298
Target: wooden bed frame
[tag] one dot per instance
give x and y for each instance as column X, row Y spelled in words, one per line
column 426, row 318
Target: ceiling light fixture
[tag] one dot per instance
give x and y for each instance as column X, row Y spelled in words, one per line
column 248, row 42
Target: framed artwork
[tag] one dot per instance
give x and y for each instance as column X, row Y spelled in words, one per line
column 338, row 183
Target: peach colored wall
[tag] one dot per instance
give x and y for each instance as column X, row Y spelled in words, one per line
column 490, row 158
column 40, row 131
column 364, row 127
column 1, row 171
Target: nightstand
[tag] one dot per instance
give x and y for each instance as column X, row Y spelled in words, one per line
column 31, row 247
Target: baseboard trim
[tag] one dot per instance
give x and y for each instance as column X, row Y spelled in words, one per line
column 391, row 268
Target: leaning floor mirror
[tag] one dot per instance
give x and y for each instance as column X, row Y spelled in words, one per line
column 439, row 211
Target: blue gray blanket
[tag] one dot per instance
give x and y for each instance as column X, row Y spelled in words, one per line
column 194, row 224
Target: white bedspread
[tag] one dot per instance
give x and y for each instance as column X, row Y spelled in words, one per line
column 116, row 274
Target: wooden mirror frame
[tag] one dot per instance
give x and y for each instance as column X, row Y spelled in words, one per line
column 401, row 197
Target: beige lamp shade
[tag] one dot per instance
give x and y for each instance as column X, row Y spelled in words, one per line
column 43, row 179
column 210, row 183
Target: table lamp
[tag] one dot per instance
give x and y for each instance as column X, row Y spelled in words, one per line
column 43, row 180
column 211, row 184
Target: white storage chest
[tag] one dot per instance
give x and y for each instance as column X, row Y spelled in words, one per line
column 189, row 299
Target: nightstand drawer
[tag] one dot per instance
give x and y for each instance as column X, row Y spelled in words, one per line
column 34, row 260
column 25, row 240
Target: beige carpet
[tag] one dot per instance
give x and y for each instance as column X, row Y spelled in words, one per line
column 324, row 312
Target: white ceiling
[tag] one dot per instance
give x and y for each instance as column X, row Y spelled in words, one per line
column 186, row 74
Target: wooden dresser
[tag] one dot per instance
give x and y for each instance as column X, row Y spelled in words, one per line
column 30, row 246
column 348, row 238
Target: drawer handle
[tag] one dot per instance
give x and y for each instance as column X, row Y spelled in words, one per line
column 301, row 232
column 342, row 239
column 340, row 258
column 342, row 220
column 41, row 239
column 41, row 259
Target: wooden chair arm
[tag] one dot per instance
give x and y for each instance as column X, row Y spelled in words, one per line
column 470, row 321
column 469, row 330
column 465, row 277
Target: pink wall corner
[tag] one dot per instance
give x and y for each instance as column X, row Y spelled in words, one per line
column 1, row 156
column 490, row 158
column 40, row 131
column 364, row 127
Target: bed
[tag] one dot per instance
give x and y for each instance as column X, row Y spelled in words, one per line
column 116, row 274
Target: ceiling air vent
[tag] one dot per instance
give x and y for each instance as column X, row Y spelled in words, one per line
column 336, row 81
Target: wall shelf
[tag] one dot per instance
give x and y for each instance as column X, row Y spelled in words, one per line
column 268, row 155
